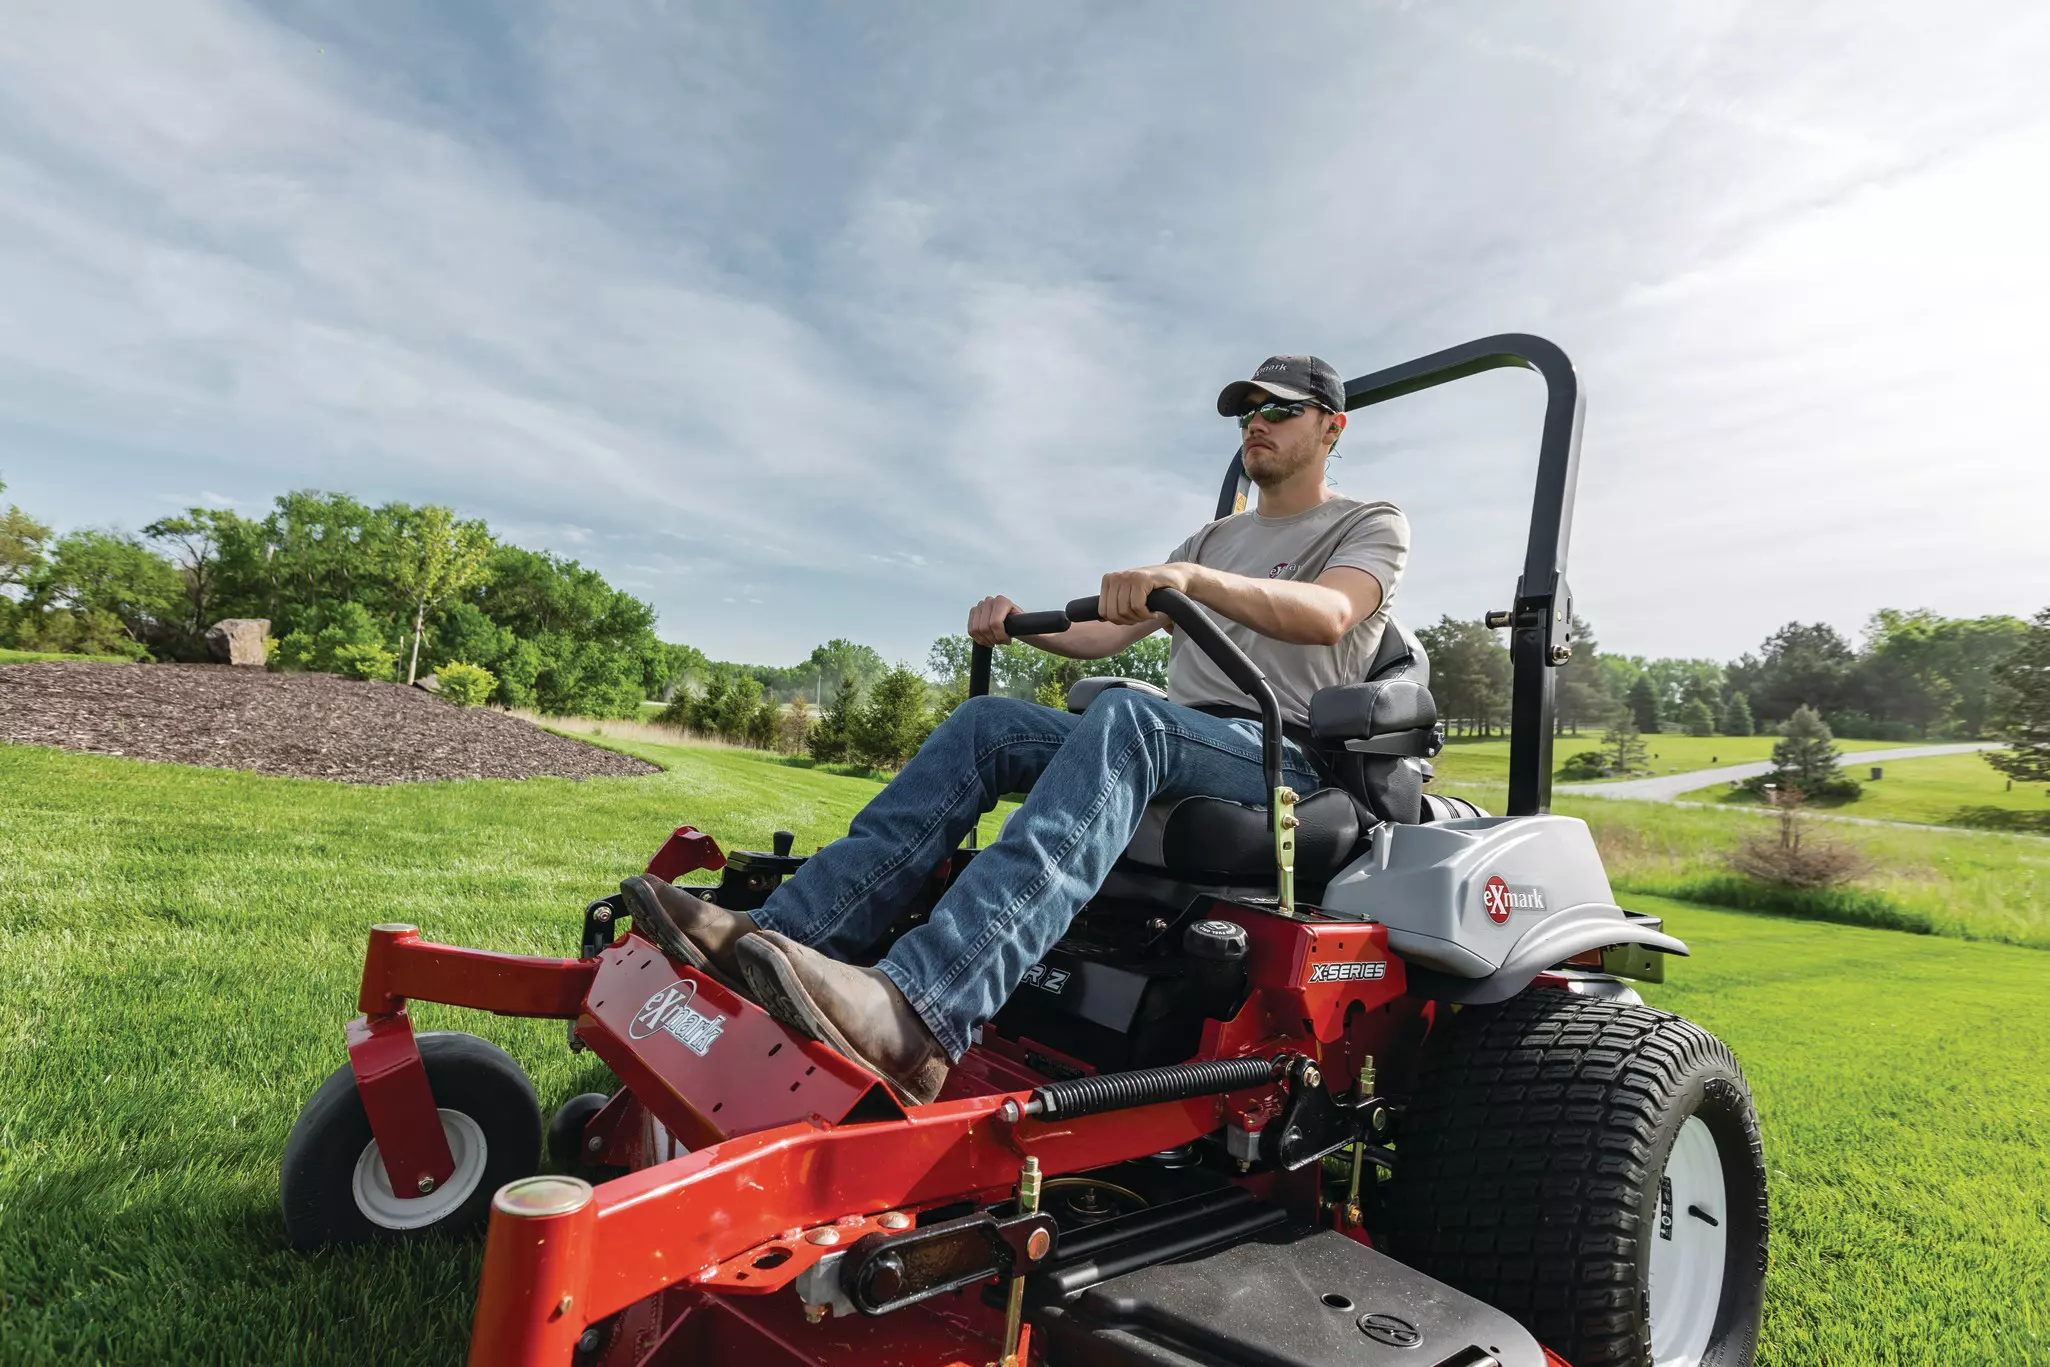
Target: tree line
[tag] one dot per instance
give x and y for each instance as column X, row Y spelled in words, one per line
column 1912, row 676
column 399, row 591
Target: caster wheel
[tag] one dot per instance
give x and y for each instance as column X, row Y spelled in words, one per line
column 334, row 1186
column 566, row 1130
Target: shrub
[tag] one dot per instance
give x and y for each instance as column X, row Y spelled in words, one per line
column 1585, row 766
column 364, row 661
column 1793, row 856
column 466, row 685
column 795, row 728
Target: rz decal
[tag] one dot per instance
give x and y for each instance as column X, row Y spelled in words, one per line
column 1054, row 980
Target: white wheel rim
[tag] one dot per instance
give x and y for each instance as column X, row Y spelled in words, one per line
column 371, row 1185
column 1689, row 1241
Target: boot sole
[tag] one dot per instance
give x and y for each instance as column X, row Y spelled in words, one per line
column 651, row 916
column 782, row 994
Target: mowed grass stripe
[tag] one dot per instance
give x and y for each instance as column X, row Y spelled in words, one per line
column 180, row 948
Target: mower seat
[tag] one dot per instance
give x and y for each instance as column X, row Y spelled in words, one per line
column 1212, row 840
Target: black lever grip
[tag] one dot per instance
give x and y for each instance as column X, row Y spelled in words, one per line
column 1036, row 623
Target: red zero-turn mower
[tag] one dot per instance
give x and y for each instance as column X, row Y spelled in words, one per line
column 1351, row 1079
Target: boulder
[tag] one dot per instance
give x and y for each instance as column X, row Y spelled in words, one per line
column 239, row 640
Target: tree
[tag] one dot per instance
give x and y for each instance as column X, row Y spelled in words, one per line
column 432, row 556
column 2021, row 706
column 22, row 544
column 829, row 739
column 1798, row 665
column 1737, row 718
column 795, row 728
column 838, row 660
column 1622, row 748
column 111, row 573
column 1583, row 696
column 196, row 538
column 1643, row 702
column 1805, row 760
column 895, row 721
column 1470, row 674
column 1696, row 719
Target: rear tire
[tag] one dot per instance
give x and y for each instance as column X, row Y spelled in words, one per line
column 333, row 1183
column 1594, row 1169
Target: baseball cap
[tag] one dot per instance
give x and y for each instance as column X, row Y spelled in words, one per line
column 1295, row 378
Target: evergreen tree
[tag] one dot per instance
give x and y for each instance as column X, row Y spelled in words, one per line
column 2020, row 712
column 1696, row 719
column 1643, row 702
column 796, row 726
column 829, row 740
column 894, row 723
column 1584, row 697
column 1622, row 748
column 1805, row 759
column 1737, row 718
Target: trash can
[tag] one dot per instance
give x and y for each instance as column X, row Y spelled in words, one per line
column 1876, row 772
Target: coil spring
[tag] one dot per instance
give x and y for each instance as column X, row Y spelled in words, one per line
column 1177, row 1082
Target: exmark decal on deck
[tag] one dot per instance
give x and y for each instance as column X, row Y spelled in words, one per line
column 1355, row 972
column 670, row 1011
column 1498, row 899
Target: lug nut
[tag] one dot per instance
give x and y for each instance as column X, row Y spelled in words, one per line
column 426, row 1184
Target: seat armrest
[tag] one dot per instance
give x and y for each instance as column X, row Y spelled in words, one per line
column 1082, row 692
column 1357, row 711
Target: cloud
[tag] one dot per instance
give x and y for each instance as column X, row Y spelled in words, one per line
column 829, row 328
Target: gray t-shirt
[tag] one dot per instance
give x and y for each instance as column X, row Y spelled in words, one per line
column 1339, row 532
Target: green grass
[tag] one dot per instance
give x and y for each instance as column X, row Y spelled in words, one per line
column 180, row 948
column 1469, row 760
column 22, row 657
column 1944, row 790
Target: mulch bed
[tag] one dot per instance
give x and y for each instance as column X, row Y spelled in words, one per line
column 299, row 725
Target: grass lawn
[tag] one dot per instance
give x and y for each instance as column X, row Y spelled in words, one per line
column 22, row 657
column 1467, row 760
column 180, row 948
column 1944, row 790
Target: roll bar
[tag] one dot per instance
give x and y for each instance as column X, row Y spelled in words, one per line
column 1541, row 621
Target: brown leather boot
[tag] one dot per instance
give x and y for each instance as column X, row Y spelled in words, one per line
column 857, row 1012
column 689, row 929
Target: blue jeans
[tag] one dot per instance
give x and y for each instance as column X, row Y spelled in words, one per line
column 1090, row 779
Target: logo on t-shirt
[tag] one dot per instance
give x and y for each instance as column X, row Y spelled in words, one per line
column 1279, row 570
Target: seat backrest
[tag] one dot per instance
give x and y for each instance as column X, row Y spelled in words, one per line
column 1399, row 656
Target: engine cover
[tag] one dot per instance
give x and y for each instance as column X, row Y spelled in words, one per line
column 1493, row 897
column 1293, row 1299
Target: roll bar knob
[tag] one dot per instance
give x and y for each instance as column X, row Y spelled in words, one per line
column 1498, row 621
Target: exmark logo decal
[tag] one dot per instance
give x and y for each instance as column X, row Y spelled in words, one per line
column 1355, row 972
column 1054, row 980
column 1499, row 899
column 670, row 1011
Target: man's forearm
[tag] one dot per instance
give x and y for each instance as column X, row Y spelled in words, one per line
column 1092, row 640
column 1284, row 609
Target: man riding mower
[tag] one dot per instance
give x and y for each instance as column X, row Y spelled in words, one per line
column 1230, row 1012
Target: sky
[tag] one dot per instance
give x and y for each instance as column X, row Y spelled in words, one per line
column 807, row 321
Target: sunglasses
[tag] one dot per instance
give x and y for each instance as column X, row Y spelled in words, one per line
column 1272, row 413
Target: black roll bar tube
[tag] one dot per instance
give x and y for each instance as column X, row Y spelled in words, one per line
column 1541, row 620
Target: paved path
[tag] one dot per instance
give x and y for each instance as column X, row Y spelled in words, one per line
column 1667, row 787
